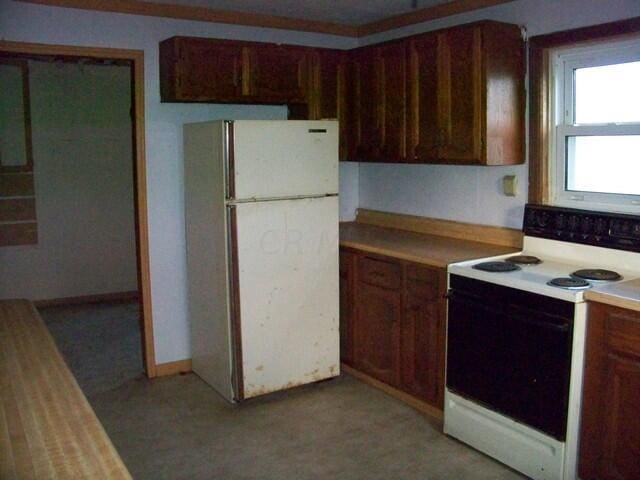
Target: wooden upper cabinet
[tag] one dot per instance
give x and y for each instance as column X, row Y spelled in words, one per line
column 278, row 73
column 450, row 96
column 466, row 95
column 377, row 103
column 224, row 71
column 200, row 69
column 327, row 92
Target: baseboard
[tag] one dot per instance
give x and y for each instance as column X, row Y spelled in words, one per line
column 87, row 299
column 173, row 368
column 423, row 407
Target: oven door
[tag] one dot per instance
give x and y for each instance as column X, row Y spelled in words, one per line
column 510, row 351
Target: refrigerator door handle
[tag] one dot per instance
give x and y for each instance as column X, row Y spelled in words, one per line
column 232, row 202
column 227, row 154
column 234, row 305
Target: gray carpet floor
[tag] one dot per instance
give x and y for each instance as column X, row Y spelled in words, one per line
column 179, row 428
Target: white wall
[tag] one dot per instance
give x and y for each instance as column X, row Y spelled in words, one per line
column 35, row 23
column 83, row 168
column 473, row 194
column 349, row 173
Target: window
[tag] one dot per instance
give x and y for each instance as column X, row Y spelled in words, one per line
column 595, row 114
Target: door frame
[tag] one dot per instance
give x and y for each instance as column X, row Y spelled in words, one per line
column 140, row 182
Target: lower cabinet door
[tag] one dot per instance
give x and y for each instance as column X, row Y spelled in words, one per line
column 422, row 346
column 347, row 305
column 377, row 333
column 610, row 436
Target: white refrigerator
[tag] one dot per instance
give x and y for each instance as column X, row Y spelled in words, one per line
column 261, row 214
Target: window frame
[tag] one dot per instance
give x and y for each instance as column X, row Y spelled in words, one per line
column 563, row 62
column 539, row 48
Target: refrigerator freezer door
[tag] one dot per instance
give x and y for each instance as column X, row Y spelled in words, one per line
column 275, row 159
column 288, row 289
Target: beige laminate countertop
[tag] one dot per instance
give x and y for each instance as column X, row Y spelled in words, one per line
column 48, row 430
column 432, row 250
column 621, row 294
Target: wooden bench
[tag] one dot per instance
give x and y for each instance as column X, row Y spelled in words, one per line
column 47, row 427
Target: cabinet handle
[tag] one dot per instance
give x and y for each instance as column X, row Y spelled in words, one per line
column 443, row 137
column 235, row 73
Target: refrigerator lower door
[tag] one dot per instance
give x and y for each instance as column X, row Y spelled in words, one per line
column 287, row 267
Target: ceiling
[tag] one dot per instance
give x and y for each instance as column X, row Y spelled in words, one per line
column 335, row 11
column 351, row 18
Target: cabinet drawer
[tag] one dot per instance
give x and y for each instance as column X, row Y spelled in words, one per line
column 345, row 264
column 423, row 282
column 381, row 273
column 623, row 332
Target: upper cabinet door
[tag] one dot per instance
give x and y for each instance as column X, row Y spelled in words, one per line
column 466, row 94
column 363, row 96
column 327, row 95
column 193, row 70
column 392, row 100
column 423, row 118
column 377, row 103
column 445, row 94
column 460, row 95
column 278, row 73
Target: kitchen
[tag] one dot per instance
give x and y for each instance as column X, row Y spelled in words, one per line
column 459, row 193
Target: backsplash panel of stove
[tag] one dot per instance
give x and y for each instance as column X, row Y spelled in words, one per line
column 601, row 229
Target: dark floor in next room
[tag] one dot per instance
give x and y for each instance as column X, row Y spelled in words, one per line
column 178, row 428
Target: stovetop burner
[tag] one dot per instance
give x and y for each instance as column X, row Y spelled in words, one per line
column 570, row 283
column 524, row 260
column 496, row 267
column 597, row 274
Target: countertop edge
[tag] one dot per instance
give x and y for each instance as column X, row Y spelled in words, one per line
column 394, row 254
column 615, row 300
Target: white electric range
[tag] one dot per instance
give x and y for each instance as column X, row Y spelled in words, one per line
column 515, row 346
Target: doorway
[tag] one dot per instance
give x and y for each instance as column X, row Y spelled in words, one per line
column 135, row 59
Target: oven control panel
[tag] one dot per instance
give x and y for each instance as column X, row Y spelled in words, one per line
column 609, row 230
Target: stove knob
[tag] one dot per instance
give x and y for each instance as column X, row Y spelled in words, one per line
column 543, row 219
column 573, row 223
column 600, row 226
column 625, row 228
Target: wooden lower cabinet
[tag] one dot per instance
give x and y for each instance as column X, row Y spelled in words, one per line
column 423, row 334
column 392, row 322
column 610, row 426
column 347, row 305
column 377, row 332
